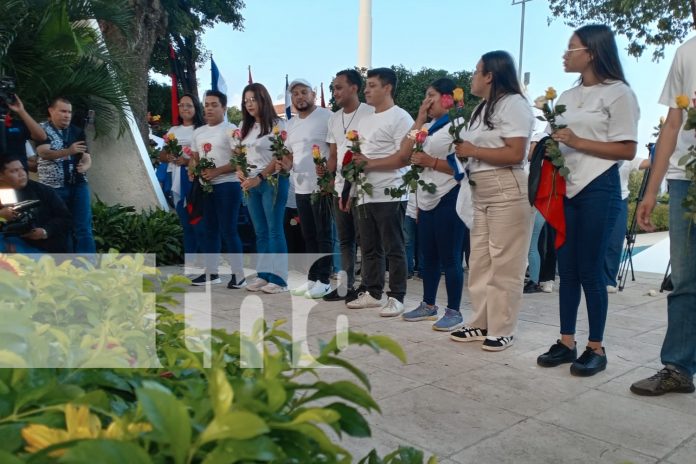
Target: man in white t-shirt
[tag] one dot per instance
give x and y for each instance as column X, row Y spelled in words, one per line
column 381, row 217
column 679, row 347
column 309, row 128
column 346, row 86
column 221, row 206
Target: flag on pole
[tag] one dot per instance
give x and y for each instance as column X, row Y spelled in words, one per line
column 288, row 100
column 175, row 90
column 323, row 102
column 217, row 81
column 251, row 81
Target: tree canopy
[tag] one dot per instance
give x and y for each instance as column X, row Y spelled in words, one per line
column 646, row 23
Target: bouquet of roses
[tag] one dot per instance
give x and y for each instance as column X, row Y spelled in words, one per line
column 325, row 181
column 239, row 159
column 411, row 180
column 551, row 111
column 352, row 171
column 204, row 163
column 689, row 160
column 172, row 145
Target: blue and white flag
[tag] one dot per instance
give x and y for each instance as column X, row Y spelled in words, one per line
column 217, row 81
column 288, row 100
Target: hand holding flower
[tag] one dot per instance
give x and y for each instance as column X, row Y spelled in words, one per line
column 465, row 149
column 566, row 137
column 422, row 159
column 361, row 160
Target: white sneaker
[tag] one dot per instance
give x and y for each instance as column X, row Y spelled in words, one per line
column 612, row 289
column 393, row 308
column 273, row 288
column 364, row 300
column 256, row 284
column 302, row 289
column 546, row 287
column 318, row 290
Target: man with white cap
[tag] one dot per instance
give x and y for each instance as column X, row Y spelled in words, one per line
column 310, row 128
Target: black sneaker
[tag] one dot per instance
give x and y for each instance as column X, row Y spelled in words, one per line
column 353, row 293
column 558, row 354
column 333, row 296
column 589, row 363
column 665, row 381
column 204, row 279
column 233, row 284
column 497, row 343
column 468, row 334
column 531, row 287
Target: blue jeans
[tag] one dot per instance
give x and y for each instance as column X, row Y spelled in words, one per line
column 19, row 244
column 267, row 210
column 616, row 241
column 590, row 216
column 220, row 215
column 679, row 347
column 411, row 238
column 77, row 199
column 440, row 241
column 534, row 257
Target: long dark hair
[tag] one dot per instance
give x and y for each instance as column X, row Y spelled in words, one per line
column 197, row 113
column 601, row 45
column 501, row 65
column 267, row 113
column 443, row 86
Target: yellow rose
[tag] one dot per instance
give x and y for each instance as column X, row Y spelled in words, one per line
column 171, row 136
column 551, row 93
column 276, row 130
column 458, row 94
column 682, row 102
column 316, row 153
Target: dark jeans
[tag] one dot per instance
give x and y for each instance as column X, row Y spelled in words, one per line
column 548, row 254
column 381, row 228
column 316, row 223
column 77, row 199
column 220, row 216
column 616, row 241
column 347, row 229
column 440, row 238
column 414, row 254
column 590, row 217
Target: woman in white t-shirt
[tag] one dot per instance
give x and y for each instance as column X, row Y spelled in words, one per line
column 602, row 128
column 496, row 144
column 190, row 118
column 440, row 231
column 266, row 202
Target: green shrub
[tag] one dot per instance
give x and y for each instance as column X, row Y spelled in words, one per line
column 156, row 231
column 182, row 412
column 659, row 217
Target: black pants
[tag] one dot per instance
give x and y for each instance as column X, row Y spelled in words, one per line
column 381, row 228
column 316, row 222
column 548, row 253
column 347, row 229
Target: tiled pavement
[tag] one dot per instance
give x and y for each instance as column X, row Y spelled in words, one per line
column 467, row 405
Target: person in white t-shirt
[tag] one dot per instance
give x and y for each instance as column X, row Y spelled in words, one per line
column 496, row 143
column 346, row 86
column 221, row 206
column 381, row 217
column 309, row 128
column 266, row 202
column 190, row 118
column 601, row 120
column 679, row 347
column 440, row 230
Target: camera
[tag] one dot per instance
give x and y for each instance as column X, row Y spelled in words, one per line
column 25, row 220
column 7, row 93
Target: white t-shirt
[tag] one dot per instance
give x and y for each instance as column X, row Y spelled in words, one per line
column 220, row 137
column 339, row 124
column 258, row 148
column 512, row 117
column 438, row 145
column 625, row 170
column 605, row 113
column 681, row 80
column 183, row 135
column 380, row 136
column 302, row 134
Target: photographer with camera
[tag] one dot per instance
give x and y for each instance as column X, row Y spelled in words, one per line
column 63, row 162
column 42, row 226
column 14, row 133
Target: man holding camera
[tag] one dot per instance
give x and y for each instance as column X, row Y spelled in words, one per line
column 18, row 131
column 45, row 227
column 63, row 162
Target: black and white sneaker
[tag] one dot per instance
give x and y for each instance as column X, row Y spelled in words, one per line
column 233, row 284
column 497, row 343
column 468, row 334
column 205, row 279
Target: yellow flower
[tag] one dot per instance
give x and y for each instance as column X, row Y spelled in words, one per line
column 458, row 94
column 171, row 137
column 117, row 430
column 682, row 102
column 276, row 130
column 551, row 93
column 352, row 135
column 156, row 117
column 316, row 153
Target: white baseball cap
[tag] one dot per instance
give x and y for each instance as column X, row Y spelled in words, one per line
column 304, row 82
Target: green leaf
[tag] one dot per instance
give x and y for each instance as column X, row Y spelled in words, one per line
column 346, row 390
column 564, row 171
column 261, row 449
column 7, row 458
column 105, row 452
column 351, row 421
column 316, row 415
column 334, row 361
column 168, row 417
column 389, row 344
column 221, row 394
column 11, row 437
column 237, row 425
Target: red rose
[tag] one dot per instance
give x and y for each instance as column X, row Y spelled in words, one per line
column 207, row 147
column 446, row 101
column 348, row 157
column 421, row 136
column 187, row 151
column 283, row 135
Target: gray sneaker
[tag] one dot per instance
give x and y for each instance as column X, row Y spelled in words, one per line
column 452, row 319
column 421, row 313
column 665, row 381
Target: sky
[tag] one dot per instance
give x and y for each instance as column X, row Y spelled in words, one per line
column 314, row 39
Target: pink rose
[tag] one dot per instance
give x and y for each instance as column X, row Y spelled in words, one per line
column 207, row 147
column 237, row 134
column 187, row 151
column 446, row 101
column 421, row 136
column 283, row 135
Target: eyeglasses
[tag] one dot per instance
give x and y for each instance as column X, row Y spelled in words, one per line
column 249, row 100
column 187, row 106
column 574, row 50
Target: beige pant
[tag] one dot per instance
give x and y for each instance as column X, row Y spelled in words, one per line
column 499, row 245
